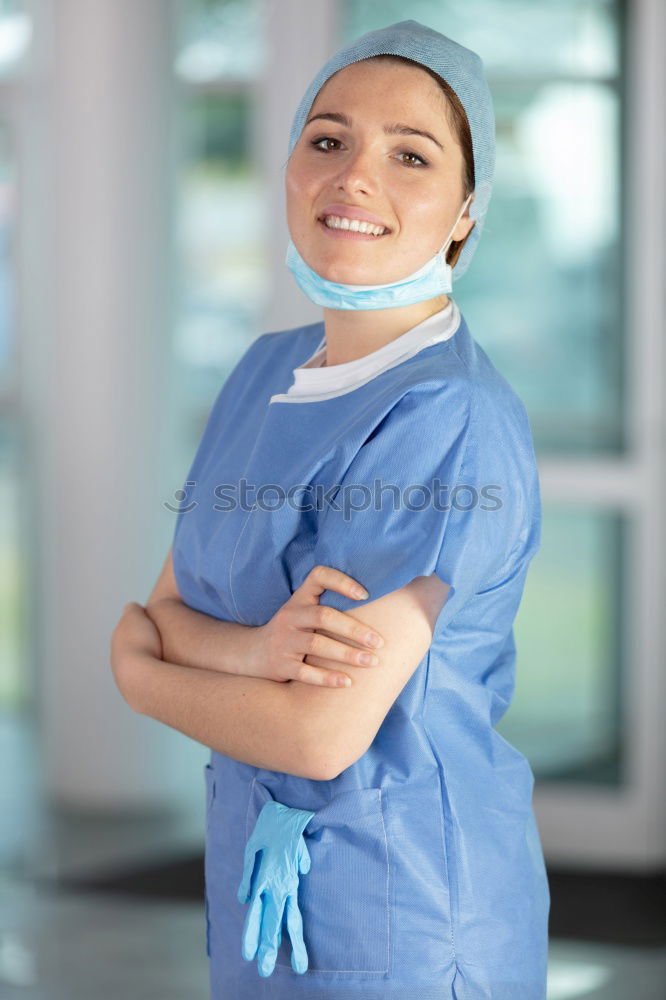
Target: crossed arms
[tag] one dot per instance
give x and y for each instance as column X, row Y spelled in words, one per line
column 192, row 672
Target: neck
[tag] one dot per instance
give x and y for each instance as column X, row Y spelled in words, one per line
column 353, row 333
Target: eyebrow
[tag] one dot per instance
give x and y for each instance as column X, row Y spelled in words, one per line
column 398, row 128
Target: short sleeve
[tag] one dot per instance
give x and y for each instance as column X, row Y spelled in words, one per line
column 446, row 483
column 220, row 415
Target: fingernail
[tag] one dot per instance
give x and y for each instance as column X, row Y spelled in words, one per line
column 360, row 592
column 344, row 682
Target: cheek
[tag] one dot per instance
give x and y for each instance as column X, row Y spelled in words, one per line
column 295, row 202
column 299, row 186
column 301, row 171
column 427, row 200
column 424, row 211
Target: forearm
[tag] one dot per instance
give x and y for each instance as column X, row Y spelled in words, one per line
column 194, row 639
column 249, row 719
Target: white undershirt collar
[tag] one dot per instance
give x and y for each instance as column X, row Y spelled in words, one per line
column 312, row 382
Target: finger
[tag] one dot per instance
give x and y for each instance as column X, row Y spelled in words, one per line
column 270, row 930
column 303, row 858
column 340, row 624
column 319, row 676
column 251, row 928
column 248, row 868
column 321, row 578
column 299, row 955
column 328, row 648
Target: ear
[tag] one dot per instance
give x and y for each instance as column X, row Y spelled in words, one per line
column 464, row 225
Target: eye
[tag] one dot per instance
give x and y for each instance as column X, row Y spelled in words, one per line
column 416, row 157
column 317, row 143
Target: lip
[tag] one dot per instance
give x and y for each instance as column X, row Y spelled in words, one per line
column 352, row 212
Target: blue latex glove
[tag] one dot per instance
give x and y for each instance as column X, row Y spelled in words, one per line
column 278, row 836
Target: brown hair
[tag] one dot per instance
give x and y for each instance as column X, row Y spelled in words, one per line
column 460, row 126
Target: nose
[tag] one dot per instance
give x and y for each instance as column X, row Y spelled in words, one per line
column 358, row 173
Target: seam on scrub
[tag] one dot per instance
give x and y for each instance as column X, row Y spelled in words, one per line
column 498, row 577
column 231, row 566
column 365, row 972
column 247, row 809
column 207, row 918
column 474, row 411
column 449, row 858
column 384, row 796
column 464, row 365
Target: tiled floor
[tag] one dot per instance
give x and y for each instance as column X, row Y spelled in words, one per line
column 69, row 946
column 79, row 947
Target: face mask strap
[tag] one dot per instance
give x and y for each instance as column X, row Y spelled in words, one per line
column 447, row 242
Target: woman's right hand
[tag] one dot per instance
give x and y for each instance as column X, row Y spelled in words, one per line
column 283, row 643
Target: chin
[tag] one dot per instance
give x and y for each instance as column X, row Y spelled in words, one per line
column 345, row 274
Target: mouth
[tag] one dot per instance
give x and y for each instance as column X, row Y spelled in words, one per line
column 338, row 225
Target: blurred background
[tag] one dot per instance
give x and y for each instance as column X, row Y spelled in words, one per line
column 142, row 242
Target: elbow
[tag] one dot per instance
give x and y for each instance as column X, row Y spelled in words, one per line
column 327, row 748
column 122, row 665
column 323, row 758
column 327, row 759
column 117, row 661
column 325, row 772
column 329, row 768
column 116, row 651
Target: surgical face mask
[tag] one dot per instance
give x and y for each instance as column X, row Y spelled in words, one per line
column 433, row 279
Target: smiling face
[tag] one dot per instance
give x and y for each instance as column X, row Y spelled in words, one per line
column 358, row 163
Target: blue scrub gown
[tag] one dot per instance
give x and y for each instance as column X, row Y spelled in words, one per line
column 427, row 879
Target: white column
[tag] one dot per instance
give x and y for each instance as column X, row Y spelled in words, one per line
column 94, row 267
column 301, row 36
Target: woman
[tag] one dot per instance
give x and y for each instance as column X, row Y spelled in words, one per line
column 385, row 827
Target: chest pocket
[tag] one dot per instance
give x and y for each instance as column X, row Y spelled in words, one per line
column 344, row 898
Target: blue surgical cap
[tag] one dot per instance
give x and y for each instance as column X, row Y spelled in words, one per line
column 463, row 71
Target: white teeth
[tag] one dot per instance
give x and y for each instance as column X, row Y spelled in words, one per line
column 356, row 226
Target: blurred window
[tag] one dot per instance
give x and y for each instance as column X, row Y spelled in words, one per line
column 15, row 36
column 544, row 296
column 221, row 253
